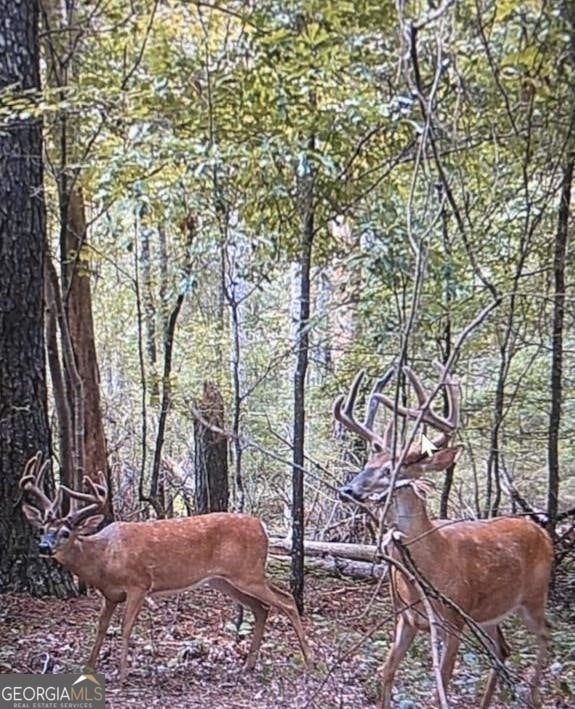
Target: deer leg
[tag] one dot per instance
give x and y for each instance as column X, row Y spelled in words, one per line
column 451, row 638
column 260, row 615
column 134, row 603
column 269, row 596
column 106, row 614
column 403, row 636
column 535, row 622
column 259, row 610
column 502, row 651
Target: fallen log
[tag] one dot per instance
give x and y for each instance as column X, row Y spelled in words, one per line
column 337, row 558
column 357, row 552
column 337, row 566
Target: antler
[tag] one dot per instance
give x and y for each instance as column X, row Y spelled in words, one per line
column 32, row 481
column 343, row 411
column 96, row 497
column 448, row 425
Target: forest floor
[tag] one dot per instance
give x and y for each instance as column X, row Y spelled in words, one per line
column 186, row 653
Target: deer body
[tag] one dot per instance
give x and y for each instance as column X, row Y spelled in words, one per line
column 126, row 561
column 482, row 570
column 163, row 556
column 489, row 568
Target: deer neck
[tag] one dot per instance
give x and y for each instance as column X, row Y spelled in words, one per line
column 410, row 513
column 84, row 556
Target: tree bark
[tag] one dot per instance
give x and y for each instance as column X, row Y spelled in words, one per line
column 23, row 409
column 210, row 454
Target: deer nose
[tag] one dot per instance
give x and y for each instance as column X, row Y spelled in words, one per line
column 45, row 549
column 347, row 493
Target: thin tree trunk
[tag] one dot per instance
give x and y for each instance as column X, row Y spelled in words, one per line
column 235, row 293
column 557, row 342
column 447, row 334
column 157, row 496
column 561, row 240
column 54, row 320
column 302, row 352
column 149, row 312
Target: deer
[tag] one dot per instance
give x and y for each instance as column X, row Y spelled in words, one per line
column 128, row 561
column 483, row 570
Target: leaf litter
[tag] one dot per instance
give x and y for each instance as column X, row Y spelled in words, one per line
column 185, row 653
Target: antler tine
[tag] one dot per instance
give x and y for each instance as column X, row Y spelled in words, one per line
column 343, row 412
column 446, row 426
column 54, row 509
column 77, row 495
column 96, row 498
column 419, row 388
column 98, row 490
column 430, row 417
column 32, row 480
column 453, row 390
column 388, row 434
column 30, row 472
column 373, row 402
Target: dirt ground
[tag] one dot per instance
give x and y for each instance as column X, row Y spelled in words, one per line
column 186, row 653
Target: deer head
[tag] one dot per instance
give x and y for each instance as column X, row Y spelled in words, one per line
column 374, row 481
column 59, row 531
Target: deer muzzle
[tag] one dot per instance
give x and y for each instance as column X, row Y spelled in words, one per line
column 347, row 493
column 47, row 544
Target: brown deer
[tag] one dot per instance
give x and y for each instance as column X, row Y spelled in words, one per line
column 487, row 568
column 126, row 561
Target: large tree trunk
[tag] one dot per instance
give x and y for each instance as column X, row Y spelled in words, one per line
column 23, row 411
column 210, row 453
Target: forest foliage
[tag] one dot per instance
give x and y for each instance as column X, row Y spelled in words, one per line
column 436, row 142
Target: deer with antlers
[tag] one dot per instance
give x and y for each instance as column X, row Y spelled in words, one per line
column 126, row 561
column 481, row 570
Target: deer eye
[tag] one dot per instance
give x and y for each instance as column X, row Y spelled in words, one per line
column 64, row 533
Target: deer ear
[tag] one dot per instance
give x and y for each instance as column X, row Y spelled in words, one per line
column 33, row 515
column 90, row 525
column 440, row 460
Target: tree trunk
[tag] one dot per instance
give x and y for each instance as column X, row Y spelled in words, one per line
column 78, row 306
column 302, row 351
column 210, row 453
column 150, row 315
column 80, row 365
column 157, row 492
column 23, row 409
column 557, row 342
column 446, row 346
column 235, row 292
